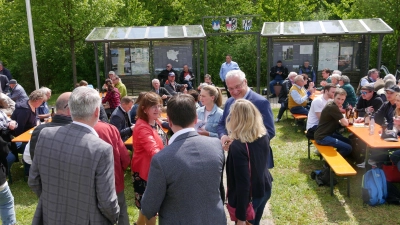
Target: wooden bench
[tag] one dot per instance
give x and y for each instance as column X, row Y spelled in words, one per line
column 300, row 117
column 337, row 164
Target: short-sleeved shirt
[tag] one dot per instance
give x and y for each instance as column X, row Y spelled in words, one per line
column 329, row 121
column 317, row 105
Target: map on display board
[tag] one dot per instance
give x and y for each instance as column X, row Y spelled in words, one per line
column 140, row 60
column 293, row 54
column 328, row 55
column 176, row 55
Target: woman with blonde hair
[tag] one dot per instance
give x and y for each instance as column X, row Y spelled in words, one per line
column 210, row 113
column 148, row 139
column 248, row 177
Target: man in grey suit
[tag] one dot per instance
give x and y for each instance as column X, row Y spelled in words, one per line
column 185, row 177
column 72, row 172
column 17, row 92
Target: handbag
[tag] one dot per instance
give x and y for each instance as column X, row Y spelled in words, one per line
column 250, row 215
column 392, row 173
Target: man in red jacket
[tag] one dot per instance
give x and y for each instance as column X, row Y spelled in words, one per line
column 110, row 134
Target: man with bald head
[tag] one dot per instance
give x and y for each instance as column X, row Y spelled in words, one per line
column 61, row 118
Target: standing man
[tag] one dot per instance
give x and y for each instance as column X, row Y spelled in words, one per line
column 110, row 134
column 162, row 92
column 317, row 105
column 277, row 73
column 191, row 165
column 17, row 92
column 163, row 75
column 120, row 86
column 5, row 71
column 237, row 85
column 120, row 118
column 227, row 66
column 328, row 124
column 307, row 69
column 73, row 169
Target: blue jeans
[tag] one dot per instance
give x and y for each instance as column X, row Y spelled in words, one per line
column 342, row 144
column 273, row 82
column 7, row 211
column 258, row 206
column 299, row 110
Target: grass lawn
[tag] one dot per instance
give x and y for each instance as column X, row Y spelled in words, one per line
column 296, row 198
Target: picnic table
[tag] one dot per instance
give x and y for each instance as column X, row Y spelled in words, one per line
column 372, row 141
column 315, row 94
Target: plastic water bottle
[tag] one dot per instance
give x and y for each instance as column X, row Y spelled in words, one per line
column 372, row 126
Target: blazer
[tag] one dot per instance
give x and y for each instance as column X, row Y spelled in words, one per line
column 162, row 91
column 173, row 89
column 118, row 120
column 73, row 176
column 184, row 181
column 264, row 107
column 4, row 84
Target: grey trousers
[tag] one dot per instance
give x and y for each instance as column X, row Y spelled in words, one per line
column 123, row 218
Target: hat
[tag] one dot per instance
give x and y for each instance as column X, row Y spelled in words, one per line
column 12, row 81
column 111, row 72
column 379, row 84
column 171, row 74
column 390, row 135
column 393, row 88
column 368, row 87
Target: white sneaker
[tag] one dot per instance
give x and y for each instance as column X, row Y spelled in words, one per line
column 277, row 120
column 370, row 162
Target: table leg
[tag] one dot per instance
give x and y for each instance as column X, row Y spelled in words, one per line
column 331, row 180
column 367, row 151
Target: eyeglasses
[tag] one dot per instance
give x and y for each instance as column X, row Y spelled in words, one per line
column 155, row 107
column 365, row 92
column 66, row 106
column 236, row 87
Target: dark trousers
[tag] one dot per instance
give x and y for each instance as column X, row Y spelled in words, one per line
column 226, row 88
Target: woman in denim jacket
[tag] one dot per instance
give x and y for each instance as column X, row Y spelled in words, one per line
column 209, row 114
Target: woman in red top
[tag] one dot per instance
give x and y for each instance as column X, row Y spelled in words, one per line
column 112, row 97
column 148, row 139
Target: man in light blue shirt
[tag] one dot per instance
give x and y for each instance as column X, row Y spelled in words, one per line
column 225, row 68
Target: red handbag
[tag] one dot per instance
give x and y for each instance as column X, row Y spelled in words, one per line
column 392, row 173
column 250, row 214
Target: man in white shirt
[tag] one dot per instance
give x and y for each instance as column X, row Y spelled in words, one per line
column 316, row 108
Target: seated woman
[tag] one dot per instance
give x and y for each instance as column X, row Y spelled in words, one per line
column 112, row 97
column 210, row 113
column 247, row 173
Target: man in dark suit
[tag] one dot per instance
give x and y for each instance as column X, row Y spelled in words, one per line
column 4, row 83
column 237, row 86
column 172, row 87
column 72, row 172
column 162, row 92
column 120, row 118
column 185, row 177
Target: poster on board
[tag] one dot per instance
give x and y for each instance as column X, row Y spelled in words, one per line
column 140, row 60
column 293, row 54
column 328, row 55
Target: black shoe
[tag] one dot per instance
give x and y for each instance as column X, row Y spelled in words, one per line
column 272, row 96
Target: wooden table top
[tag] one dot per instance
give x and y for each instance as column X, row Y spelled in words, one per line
column 373, row 141
column 315, row 94
column 24, row 137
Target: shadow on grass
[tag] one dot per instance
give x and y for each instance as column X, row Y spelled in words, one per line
column 286, row 131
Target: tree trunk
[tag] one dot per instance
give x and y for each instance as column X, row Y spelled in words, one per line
column 398, row 51
column 73, row 60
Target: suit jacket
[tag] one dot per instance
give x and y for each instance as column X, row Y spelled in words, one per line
column 4, row 84
column 264, row 107
column 184, row 180
column 118, row 120
column 173, row 89
column 162, row 91
column 18, row 94
column 73, row 176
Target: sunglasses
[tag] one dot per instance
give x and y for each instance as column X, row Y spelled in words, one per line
column 365, row 92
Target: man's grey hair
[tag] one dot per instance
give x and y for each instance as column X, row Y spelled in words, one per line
column 335, row 76
column 45, row 90
column 337, row 72
column 207, row 76
column 83, row 103
column 236, row 73
column 111, row 72
column 345, row 79
column 371, row 71
column 389, row 77
column 298, row 78
column 292, row 74
column 155, row 80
